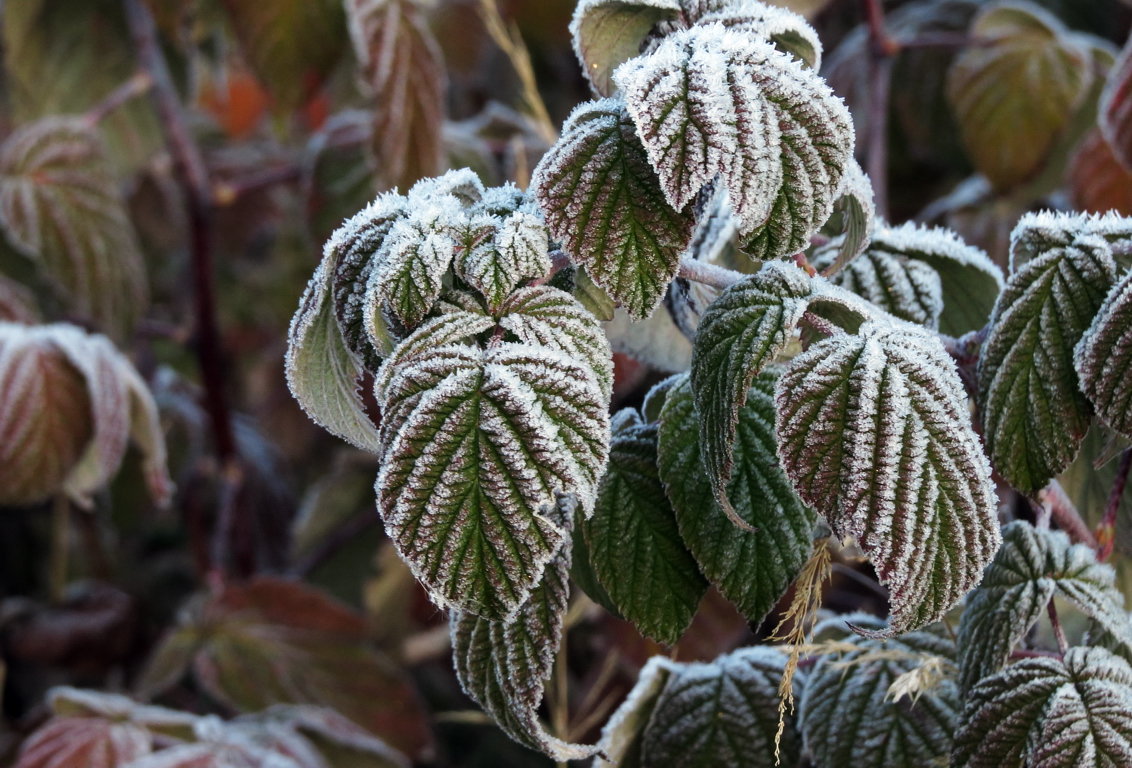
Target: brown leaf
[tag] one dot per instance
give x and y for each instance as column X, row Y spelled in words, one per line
column 273, row 641
column 291, row 45
column 1098, row 182
column 60, row 206
column 403, row 66
column 1116, row 108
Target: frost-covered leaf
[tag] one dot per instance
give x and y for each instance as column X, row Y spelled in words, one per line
column 339, row 741
column 722, row 713
column 711, row 101
column 751, row 568
column 874, row 431
column 856, row 210
column 547, row 317
column 409, row 278
column 272, row 641
column 787, row 30
column 216, row 744
column 504, row 665
column 603, row 200
column 739, row 334
column 847, row 716
column 969, row 281
column 60, row 207
column 72, row 403
column 1116, row 108
column 1103, row 358
column 608, row 32
column 633, row 540
column 623, row 735
column 1016, row 90
column 515, row 251
column 322, row 372
column 403, row 67
column 351, row 255
column 292, row 45
column 1034, row 413
column 1050, row 713
column 905, row 288
column 1032, row 567
column 480, row 441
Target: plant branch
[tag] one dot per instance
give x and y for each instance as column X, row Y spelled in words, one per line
column 1063, row 512
column 192, row 175
column 136, row 85
column 226, row 192
column 1058, row 632
column 882, row 50
column 708, row 274
column 1106, row 531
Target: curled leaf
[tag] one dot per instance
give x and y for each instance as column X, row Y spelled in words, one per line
column 1103, row 358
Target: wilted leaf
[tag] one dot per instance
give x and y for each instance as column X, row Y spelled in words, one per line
column 1116, row 108
column 504, row 665
column 292, row 45
column 633, row 540
column 874, row 431
column 1033, row 410
column 1103, row 358
column 403, row 67
column 60, row 206
column 751, row 568
column 1097, row 182
column 1016, row 90
column 711, row 101
column 847, row 716
column 273, row 641
column 479, row 442
column 609, row 32
column 1031, row 568
column 1050, row 712
column 722, row 713
column 602, row 199
column 739, row 334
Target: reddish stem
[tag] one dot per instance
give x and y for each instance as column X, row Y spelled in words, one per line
column 1106, row 531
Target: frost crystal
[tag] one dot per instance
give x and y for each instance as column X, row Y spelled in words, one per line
column 1103, row 358
column 874, row 433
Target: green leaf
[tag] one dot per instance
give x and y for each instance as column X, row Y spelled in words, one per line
column 504, row 665
column 322, row 372
column 848, row 716
column 516, row 250
column 874, row 431
column 608, row 32
column 604, row 202
column 1034, row 413
column 409, row 277
column 60, row 207
column 401, row 63
column 1031, row 568
column 739, row 334
column 714, row 102
column 291, row 45
column 751, row 568
column 551, row 318
column 907, row 289
column 635, row 546
column 1103, row 358
column 1016, row 90
column 722, row 713
column 1049, row 712
column 969, row 282
column 478, row 443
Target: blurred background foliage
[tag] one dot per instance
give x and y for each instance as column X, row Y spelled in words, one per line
column 264, row 578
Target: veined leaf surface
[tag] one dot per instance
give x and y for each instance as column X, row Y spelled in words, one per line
column 1103, row 358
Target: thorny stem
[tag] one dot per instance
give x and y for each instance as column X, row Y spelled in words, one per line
column 1063, row 511
column 1058, row 632
column 136, row 85
column 1106, row 531
column 882, row 51
column 192, row 175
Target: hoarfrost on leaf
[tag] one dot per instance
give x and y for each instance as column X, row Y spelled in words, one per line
column 1050, row 712
column 874, row 432
column 1103, row 358
column 1032, row 567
